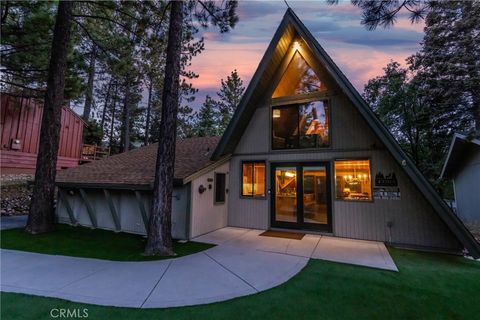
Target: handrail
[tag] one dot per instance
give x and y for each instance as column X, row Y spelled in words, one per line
column 92, row 152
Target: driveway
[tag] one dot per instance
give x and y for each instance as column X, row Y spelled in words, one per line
column 242, row 263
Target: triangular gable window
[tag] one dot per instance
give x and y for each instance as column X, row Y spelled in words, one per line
column 298, row 78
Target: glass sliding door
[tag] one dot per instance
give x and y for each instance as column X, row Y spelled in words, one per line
column 286, row 194
column 315, row 195
column 301, row 196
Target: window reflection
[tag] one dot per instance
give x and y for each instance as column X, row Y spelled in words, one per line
column 300, row 126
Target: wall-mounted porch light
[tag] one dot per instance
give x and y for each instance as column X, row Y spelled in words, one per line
column 296, row 45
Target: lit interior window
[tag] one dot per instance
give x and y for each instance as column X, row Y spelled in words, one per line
column 352, row 180
column 253, row 179
column 298, row 78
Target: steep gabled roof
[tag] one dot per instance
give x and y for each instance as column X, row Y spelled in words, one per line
column 289, row 28
column 135, row 169
column 459, row 149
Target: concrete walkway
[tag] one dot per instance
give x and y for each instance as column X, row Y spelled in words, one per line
column 242, row 263
column 13, row 222
column 358, row 252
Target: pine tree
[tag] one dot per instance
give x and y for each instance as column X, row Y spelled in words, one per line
column 159, row 241
column 206, row 124
column 26, row 38
column 449, row 66
column 229, row 96
column 41, row 217
column 394, row 98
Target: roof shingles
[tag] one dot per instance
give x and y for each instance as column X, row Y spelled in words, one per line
column 137, row 167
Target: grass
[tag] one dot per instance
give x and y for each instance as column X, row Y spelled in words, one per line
column 89, row 243
column 428, row 286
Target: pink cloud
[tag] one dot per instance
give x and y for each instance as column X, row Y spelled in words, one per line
column 244, row 46
column 219, row 59
column 366, row 64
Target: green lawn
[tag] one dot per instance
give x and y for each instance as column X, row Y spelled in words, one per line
column 89, row 243
column 428, row 286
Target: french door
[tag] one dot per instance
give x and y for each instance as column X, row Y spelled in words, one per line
column 301, row 196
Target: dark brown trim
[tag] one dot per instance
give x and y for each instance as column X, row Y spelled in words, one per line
column 215, row 202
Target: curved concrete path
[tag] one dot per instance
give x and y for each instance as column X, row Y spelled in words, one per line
column 217, row 274
column 241, row 264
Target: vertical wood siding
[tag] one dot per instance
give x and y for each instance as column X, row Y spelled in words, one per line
column 207, row 216
column 21, row 120
column 466, row 180
column 413, row 220
column 127, row 208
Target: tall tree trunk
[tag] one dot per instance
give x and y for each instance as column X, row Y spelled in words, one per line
column 125, row 139
column 112, row 123
column 91, row 77
column 105, row 105
column 159, row 240
column 149, row 107
column 42, row 215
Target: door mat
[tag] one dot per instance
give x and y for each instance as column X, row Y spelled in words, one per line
column 282, row 234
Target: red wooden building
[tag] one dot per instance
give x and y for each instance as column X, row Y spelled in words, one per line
column 20, row 130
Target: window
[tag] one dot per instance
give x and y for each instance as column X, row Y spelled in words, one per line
column 253, row 179
column 220, row 187
column 298, row 78
column 352, row 180
column 299, row 126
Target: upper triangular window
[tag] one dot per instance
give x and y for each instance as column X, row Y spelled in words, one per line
column 298, row 78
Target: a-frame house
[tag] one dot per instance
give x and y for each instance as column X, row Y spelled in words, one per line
column 310, row 154
column 302, row 152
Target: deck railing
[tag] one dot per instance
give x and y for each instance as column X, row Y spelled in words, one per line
column 92, row 152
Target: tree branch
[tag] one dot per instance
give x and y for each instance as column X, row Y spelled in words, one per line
column 21, row 86
column 92, row 38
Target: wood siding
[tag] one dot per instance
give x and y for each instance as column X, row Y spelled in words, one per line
column 413, row 220
column 206, row 215
column 465, row 182
column 21, row 120
column 126, row 205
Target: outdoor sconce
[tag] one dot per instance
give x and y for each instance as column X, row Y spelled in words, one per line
column 201, row 189
column 209, row 186
column 297, row 45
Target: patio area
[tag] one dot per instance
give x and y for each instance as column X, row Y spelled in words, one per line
column 241, row 264
column 357, row 252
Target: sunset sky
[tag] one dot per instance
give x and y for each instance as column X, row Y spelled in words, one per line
column 359, row 53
